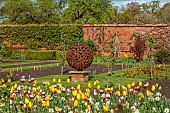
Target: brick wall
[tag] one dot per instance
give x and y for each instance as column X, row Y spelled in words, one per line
column 104, row 34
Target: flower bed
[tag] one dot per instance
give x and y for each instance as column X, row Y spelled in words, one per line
column 59, row 96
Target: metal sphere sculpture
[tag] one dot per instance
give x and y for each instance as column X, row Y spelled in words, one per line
column 79, row 56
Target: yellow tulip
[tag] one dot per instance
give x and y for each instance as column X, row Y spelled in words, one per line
column 148, row 93
column 60, row 86
column 78, row 96
column 38, row 89
column 123, row 88
column 76, row 103
column 2, row 80
column 98, row 87
column 89, row 85
column 9, row 80
column 30, row 105
column 56, row 108
column 147, row 84
column 95, row 83
column 68, row 81
column 74, row 93
column 82, row 96
column 133, row 84
column 89, row 108
column 58, row 91
column 39, row 99
column 87, row 90
column 54, row 80
column 105, row 108
column 153, row 87
column 129, row 86
column 118, row 93
column 78, row 87
column 48, row 83
column 124, row 93
column 47, row 104
column 59, row 80
column 52, row 88
column 4, row 86
column 15, row 86
column 156, row 85
column 160, row 87
column 88, row 94
column 140, row 84
column 26, row 101
column 47, row 98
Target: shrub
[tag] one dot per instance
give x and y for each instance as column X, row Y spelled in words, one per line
column 163, row 56
column 60, row 55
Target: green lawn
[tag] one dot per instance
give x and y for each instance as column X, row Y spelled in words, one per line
column 112, row 81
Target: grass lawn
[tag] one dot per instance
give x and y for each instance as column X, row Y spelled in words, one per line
column 112, row 81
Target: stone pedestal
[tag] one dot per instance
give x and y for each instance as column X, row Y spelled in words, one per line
column 79, row 76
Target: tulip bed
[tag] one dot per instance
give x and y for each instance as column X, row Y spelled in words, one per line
column 59, row 96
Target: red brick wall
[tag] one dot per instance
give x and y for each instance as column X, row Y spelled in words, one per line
column 106, row 32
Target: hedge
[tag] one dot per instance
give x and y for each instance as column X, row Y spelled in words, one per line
column 45, row 55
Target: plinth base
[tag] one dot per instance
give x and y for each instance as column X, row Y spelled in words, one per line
column 79, row 76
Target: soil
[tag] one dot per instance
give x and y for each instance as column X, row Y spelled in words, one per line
column 33, row 64
column 94, row 69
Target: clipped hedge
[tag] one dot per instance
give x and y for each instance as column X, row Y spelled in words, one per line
column 163, row 56
column 44, row 55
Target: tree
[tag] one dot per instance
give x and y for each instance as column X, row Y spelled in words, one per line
column 18, row 12
column 89, row 12
column 47, row 11
column 164, row 14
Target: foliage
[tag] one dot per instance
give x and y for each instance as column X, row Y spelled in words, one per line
column 91, row 44
column 158, row 72
column 37, row 36
column 163, row 56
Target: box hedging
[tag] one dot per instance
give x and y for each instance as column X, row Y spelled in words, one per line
column 44, row 55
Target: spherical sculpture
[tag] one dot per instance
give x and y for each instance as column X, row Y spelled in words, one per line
column 79, row 56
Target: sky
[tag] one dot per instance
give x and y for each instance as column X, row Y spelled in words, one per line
column 119, row 3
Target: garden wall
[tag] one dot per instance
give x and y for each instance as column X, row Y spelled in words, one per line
column 129, row 37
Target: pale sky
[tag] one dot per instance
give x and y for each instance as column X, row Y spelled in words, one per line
column 119, row 3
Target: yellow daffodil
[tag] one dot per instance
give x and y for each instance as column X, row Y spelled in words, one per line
column 76, row 103
column 118, row 93
column 129, row 86
column 89, row 85
column 153, row 88
column 47, row 104
column 105, row 108
column 68, row 81
column 124, row 93
column 78, row 97
column 148, row 93
column 54, row 80
column 140, row 84
column 26, row 101
column 78, row 87
column 98, row 87
column 47, row 98
column 89, row 108
column 133, row 84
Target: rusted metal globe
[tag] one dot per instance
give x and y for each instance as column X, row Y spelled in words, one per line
column 79, row 56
